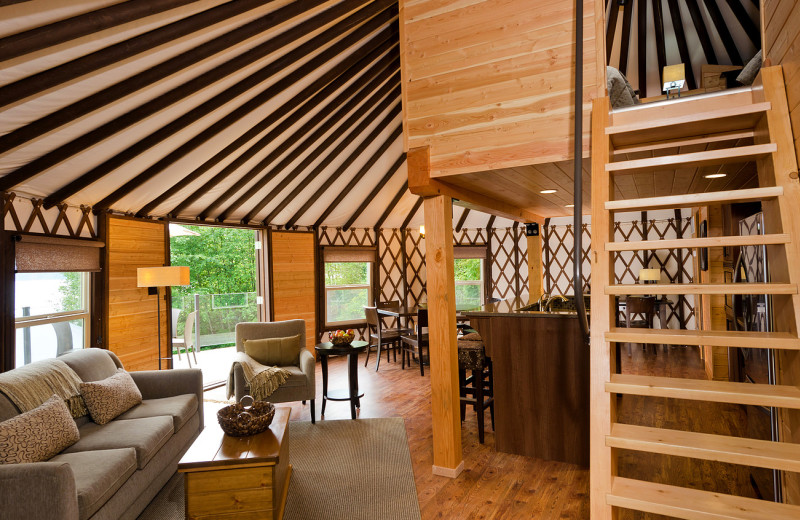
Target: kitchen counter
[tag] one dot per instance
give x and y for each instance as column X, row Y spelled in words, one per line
column 541, row 379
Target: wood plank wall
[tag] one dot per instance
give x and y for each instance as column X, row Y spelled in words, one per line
column 781, row 28
column 488, row 84
column 292, row 278
column 132, row 312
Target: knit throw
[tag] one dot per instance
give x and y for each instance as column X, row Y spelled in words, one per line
column 31, row 385
column 261, row 379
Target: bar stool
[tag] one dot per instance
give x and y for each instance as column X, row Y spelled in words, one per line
column 477, row 389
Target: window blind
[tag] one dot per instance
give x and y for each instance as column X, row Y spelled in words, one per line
column 40, row 254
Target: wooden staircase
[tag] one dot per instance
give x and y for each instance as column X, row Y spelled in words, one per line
column 724, row 118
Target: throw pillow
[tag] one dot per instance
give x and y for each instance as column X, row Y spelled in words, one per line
column 472, row 336
column 110, row 397
column 38, row 434
column 279, row 352
column 750, row 71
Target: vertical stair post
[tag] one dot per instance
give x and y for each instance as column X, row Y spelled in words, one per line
column 602, row 463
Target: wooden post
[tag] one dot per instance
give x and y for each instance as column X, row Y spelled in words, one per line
column 603, row 463
column 447, row 458
column 534, row 268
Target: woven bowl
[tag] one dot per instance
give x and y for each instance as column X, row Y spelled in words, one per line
column 343, row 340
column 237, row 421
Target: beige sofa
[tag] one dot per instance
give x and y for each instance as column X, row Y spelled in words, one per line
column 116, row 469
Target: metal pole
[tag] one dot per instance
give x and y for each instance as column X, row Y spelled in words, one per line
column 577, row 259
column 26, row 338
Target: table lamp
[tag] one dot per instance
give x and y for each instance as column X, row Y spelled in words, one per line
column 674, row 77
column 650, row 276
column 155, row 277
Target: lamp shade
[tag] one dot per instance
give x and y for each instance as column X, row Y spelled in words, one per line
column 162, row 276
column 650, row 275
column 422, row 230
column 674, row 76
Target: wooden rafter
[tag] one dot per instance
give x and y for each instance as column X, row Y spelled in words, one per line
column 374, row 193
column 463, row 219
column 611, row 28
column 625, row 42
column 702, row 32
column 410, row 215
column 680, row 37
column 390, row 140
column 722, row 30
column 642, row 44
column 365, row 142
column 391, row 207
column 78, row 67
column 661, row 46
column 251, row 105
column 747, row 23
column 308, row 143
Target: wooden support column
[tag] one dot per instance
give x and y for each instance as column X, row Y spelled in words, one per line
column 713, row 305
column 447, row 458
column 535, row 267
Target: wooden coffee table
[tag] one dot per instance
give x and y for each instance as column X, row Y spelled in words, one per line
column 238, row 477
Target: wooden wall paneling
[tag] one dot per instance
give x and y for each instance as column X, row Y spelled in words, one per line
column 293, row 279
column 132, row 315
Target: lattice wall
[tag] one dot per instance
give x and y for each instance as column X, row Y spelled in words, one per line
column 509, row 262
column 27, row 215
column 558, row 244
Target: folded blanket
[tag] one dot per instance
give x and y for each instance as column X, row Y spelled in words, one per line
column 31, row 385
column 261, row 379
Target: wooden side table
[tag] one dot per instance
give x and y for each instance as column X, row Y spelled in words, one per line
column 238, row 477
column 351, row 394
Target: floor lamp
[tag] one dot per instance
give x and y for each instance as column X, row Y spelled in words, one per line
column 155, row 277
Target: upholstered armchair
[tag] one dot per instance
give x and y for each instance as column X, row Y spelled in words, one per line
column 301, row 384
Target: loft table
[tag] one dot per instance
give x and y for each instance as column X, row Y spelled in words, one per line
column 324, row 350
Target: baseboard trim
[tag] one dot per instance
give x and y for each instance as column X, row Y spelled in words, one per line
column 449, row 472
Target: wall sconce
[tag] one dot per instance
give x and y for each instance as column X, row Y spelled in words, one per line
column 422, row 231
column 674, row 77
column 155, row 277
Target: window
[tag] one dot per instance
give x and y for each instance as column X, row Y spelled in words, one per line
column 469, row 281
column 51, row 314
column 348, row 289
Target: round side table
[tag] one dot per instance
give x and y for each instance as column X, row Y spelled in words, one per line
column 324, row 350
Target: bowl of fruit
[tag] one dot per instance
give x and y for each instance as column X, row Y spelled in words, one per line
column 342, row 337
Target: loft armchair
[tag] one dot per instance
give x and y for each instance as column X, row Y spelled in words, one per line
column 301, row 384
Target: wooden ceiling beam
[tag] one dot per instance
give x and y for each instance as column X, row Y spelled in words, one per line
column 393, row 204
column 702, row 32
column 310, row 98
column 347, row 162
column 366, row 167
column 357, row 128
column 724, row 33
column 463, row 219
column 661, row 46
column 411, row 213
column 123, row 50
column 74, row 27
column 249, row 106
column 151, row 107
column 131, row 84
column 343, row 106
column 750, row 27
column 642, row 45
column 625, row 42
column 611, row 28
column 374, row 193
column 680, row 37
column 490, row 224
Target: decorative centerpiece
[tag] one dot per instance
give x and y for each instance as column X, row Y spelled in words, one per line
column 247, row 417
column 343, row 337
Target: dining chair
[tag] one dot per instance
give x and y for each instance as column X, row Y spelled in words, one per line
column 477, row 388
column 415, row 343
column 379, row 336
column 644, row 306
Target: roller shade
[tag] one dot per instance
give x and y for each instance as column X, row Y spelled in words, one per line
column 38, row 254
column 469, row 252
column 348, row 254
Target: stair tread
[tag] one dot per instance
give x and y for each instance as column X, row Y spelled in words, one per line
column 702, row 288
column 692, row 160
column 685, row 243
column 693, row 504
column 780, row 396
column 715, row 338
column 723, row 448
column 695, row 199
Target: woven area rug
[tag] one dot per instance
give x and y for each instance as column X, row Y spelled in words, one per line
column 341, row 470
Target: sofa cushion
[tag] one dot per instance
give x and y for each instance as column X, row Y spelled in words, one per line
column 274, row 351
column 98, row 475
column 91, row 364
column 179, row 407
column 37, row 434
column 111, row 396
column 145, row 435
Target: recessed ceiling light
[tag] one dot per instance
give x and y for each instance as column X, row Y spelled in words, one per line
column 547, row 192
column 715, row 175
column 570, row 206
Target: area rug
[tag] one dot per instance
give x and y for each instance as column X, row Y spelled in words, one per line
column 341, row 470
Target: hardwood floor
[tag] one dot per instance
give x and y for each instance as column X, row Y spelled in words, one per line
column 503, row 486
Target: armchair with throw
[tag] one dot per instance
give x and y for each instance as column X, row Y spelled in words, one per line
column 300, row 385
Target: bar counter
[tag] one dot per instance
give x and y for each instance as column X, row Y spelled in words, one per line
column 541, row 380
